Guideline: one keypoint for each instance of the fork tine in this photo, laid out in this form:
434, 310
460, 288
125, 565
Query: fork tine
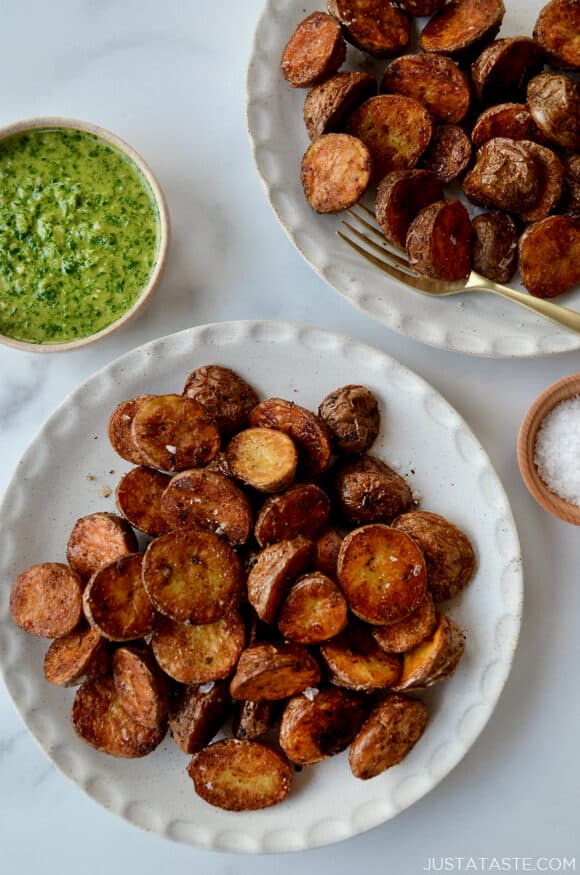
382, 250
367, 211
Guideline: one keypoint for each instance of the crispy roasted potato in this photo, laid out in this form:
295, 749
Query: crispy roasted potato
46, 600
273, 671
372, 25
449, 153
240, 775
551, 171
495, 246
394, 726
439, 241
447, 550
368, 491
252, 720
327, 550
142, 688
98, 539
207, 500
99, 719
549, 256
462, 25
226, 397
264, 458
306, 430
435, 658
504, 67
192, 576
120, 434
356, 661
554, 102
351, 414
557, 30
138, 498
335, 172
572, 183
174, 432
115, 602
402, 636
401, 194
273, 573
314, 52
76, 657
434, 80
505, 176
198, 654
301, 510
328, 105
511, 120
197, 714
322, 725
314, 611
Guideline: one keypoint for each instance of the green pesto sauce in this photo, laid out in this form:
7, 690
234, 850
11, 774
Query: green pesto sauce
79, 235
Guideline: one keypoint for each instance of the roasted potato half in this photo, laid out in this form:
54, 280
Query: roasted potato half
253, 720
368, 491
197, 713
335, 172
46, 600
142, 688
226, 397
439, 241
115, 601
449, 153
98, 539
495, 246
402, 636
198, 654
306, 430
328, 105
320, 724
434, 659
314, 611
120, 433
434, 80
401, 195
302, 510
138, 498
76, 657
174, 432
327, 550
393, 728
356, 661
263, 458
273, 573
462, 25
273, 671
352, 416
504, 67
372, 26
549, 256
557, 30
314, 52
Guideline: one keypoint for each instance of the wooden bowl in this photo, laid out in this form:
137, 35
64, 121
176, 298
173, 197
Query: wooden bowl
559, 391
113, 140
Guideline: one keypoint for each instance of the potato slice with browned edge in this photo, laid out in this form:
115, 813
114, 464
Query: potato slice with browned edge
554, 102
253, 719
393, 728
382, 574
439, 242
226, 397
327, 550
314, 52
504, 67
301, 510
115, 602
557, 31
461, 25
434, 80
402, 636
495, 246
98, 539
449, 153
448, 553
356, 661
511, 120
434, 659
306, 430
99, 719
142, 688
174, 432
352, 416
192, 576
263, 458
207, 500
198, 654
273, 573
368, 491
505, 176
320, 725
120, 434
273, 671
328, 105
46, 600
138, 498
401, 194
549, 256
373, 26
335, 172
240, 775
314, 611
197, 714
395, 129
76, 657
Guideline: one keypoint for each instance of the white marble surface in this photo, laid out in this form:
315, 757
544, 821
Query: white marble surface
169, 78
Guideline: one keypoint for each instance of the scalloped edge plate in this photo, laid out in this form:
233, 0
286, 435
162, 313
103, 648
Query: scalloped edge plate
422, 436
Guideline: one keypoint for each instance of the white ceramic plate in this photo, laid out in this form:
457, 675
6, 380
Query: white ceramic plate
422, 436
475, 323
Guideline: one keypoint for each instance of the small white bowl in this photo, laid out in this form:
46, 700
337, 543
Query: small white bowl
113, 140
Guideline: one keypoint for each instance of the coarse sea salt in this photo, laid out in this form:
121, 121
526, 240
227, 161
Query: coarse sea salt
557, 450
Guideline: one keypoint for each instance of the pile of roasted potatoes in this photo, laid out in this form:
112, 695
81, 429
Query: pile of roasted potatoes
463, 108
288, 586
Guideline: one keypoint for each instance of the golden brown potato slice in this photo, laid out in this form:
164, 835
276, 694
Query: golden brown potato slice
356, 661
207, 500
120, 434
314, 611
115, 602
314, 52
335, 172
449, 153
372, 25
98, 539
495, 246
368, 491
395, 129
227, 398
554, 102
192, 576
504, 67
352, 416
320, 725
263, 458
392, 729
306, 430
76, 657
328, 105
435, 658
382, 574
549, 256
138, 498
505, 176
252, 720
301, 510
439, 242
240, 775
402, 636
461, 25
174, 432
198, 713
558, 32
447, 550
511, 120
401, 194
99, 719
272, 574
327, 550
142, 688
198, 654
434, 81
273, 671
46, 600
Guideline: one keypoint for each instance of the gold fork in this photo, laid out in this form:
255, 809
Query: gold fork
396, 265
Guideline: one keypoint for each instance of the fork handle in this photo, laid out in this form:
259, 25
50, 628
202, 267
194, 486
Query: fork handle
541, 306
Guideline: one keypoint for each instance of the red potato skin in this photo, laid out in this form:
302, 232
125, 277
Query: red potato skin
557, 30
400, 196
439, 242
511, 120
549, 256
502, 70
449, 153
495, 246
